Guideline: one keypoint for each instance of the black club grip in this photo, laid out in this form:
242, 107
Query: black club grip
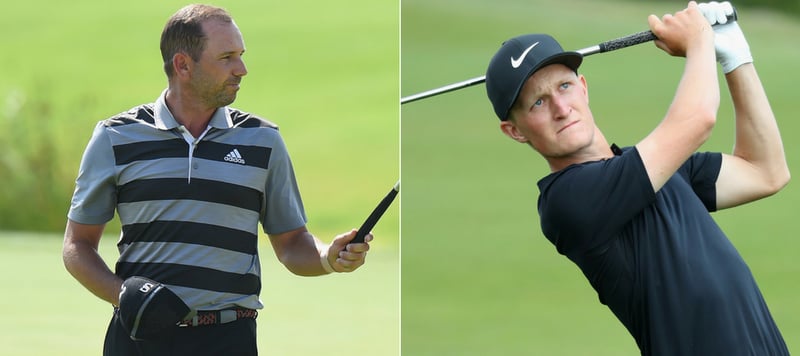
640, 37
627, 41
376, 214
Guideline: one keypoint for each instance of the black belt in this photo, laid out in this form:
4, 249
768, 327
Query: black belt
215, 317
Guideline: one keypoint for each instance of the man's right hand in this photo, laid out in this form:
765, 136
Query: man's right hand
685, 31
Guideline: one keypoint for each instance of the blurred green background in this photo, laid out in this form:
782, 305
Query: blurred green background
325, 72
478, 276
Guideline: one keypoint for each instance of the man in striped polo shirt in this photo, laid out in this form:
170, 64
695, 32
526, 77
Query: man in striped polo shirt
191, 179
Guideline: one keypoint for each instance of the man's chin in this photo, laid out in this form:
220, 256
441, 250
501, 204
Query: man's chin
226, 100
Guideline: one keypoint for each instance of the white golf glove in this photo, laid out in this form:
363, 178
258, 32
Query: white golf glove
729, 42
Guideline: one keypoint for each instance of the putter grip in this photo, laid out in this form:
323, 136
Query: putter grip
376, 214
640, 37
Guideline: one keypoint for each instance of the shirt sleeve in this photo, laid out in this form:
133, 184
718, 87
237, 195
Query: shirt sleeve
701, 170
283, 206
95, 196
585, 205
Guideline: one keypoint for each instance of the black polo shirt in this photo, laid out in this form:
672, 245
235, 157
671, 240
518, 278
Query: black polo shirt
658, 260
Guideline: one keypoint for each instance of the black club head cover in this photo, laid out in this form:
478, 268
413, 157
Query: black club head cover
148, 309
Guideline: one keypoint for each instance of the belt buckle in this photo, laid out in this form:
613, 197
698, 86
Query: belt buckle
227, 316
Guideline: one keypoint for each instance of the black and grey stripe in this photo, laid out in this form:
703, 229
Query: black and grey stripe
189, 217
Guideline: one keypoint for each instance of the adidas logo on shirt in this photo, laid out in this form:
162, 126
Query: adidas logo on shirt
234, 156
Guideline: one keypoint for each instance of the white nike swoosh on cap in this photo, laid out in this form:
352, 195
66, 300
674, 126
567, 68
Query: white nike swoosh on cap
518, 62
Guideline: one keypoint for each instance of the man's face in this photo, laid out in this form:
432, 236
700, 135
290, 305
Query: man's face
216, 76
552, 113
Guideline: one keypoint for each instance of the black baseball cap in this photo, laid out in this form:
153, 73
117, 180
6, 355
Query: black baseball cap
515, 61
148, 309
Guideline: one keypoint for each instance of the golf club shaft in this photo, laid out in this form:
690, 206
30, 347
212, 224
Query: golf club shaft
376, 214
608, 46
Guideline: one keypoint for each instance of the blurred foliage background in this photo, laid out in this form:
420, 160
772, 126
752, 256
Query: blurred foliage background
326, 74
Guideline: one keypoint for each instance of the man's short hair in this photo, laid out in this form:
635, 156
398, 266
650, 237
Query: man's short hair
183, 33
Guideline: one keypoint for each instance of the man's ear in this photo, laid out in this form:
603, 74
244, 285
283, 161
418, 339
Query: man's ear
582, 80
182, 64
510, 129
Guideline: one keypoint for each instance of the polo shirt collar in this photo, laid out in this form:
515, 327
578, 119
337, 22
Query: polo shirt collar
164, 120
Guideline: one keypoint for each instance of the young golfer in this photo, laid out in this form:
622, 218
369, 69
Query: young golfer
636, 220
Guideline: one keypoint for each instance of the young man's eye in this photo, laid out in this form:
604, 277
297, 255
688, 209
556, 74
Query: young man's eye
565, 85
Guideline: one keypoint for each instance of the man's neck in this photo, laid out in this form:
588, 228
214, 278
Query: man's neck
188, 112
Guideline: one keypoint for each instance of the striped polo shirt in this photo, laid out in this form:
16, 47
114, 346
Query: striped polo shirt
190, 207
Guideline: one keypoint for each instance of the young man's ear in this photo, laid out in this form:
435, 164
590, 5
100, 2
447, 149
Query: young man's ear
582, 80
510, 129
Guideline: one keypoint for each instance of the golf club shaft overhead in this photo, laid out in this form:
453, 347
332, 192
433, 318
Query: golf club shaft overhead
608, 46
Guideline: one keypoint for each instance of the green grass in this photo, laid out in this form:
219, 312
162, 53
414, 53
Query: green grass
325, 72
478, 277
47, 312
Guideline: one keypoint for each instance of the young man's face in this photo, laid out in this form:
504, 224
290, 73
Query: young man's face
216, 76
552, 113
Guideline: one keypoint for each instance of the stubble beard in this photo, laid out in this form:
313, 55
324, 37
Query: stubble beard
213, 95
